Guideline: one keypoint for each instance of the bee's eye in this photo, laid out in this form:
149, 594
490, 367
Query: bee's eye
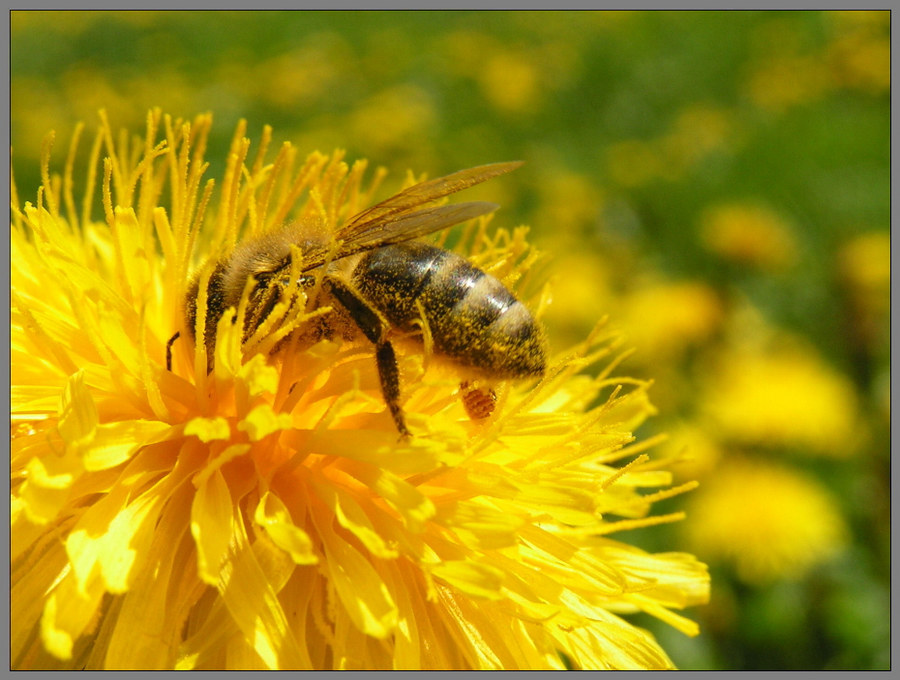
307, 281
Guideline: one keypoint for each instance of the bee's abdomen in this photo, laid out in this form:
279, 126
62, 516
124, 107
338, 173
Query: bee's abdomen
472, 317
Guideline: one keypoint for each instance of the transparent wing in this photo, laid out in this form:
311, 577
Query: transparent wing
391, 221
419, 195
403, 228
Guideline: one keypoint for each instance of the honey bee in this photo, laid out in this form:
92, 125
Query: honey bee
371, 278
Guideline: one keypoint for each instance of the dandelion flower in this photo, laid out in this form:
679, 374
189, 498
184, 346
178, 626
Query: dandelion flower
864, 264
770, 522
266, 515
752, 398
581, 290
698, 454
750, 234
859, 53
664, 319
780, 80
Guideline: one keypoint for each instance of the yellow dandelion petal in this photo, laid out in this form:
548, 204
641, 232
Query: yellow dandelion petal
249, 592
258, 377
263, 421
414, 507
30, 580
483, 527
144, 636
357, 584
351, 516
273, 514
245, 500
46, 487
68, 612
114, 551
472, 578
78, 416
210, 522
208, 429
114, 443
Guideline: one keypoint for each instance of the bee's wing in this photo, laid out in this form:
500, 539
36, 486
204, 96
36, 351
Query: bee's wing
419, 195
392, 222
403, 228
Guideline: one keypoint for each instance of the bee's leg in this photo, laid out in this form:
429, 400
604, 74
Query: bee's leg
169, 350
263, 298
389, 374
375, 329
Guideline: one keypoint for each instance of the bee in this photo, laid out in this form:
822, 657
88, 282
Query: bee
371, 278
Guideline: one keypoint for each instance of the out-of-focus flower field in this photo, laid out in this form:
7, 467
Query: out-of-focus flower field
716, 183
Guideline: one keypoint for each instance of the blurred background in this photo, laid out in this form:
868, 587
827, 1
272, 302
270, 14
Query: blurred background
716, 182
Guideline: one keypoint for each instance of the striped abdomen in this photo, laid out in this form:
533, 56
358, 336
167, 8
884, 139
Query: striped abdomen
472, 317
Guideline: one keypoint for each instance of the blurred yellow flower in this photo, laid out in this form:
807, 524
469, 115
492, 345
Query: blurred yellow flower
786, 397
750, 234
862, 62
697, 131
696, 453
783, 81
864, 271
513, 79
768, 521
395, 118
662, 320
72, 23
569, 202
510, 81
860, 54
301, 76
853, 19
784, 72
580, 294
266, 515
857, 57
865, 263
